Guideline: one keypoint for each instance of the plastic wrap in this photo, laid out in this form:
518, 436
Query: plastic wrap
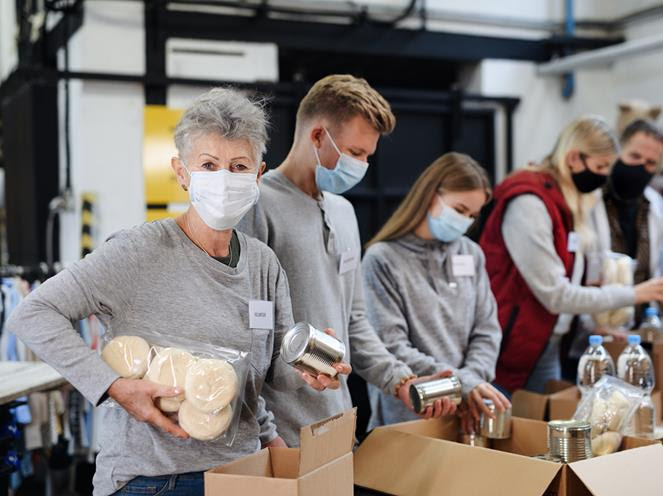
616, 269
609, 407
212, 380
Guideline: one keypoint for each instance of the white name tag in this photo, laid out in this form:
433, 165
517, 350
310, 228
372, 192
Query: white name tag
573, 242
462, 265
261, 314
349, 261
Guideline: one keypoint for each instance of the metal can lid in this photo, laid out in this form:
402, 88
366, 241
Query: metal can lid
569, 425
295, 342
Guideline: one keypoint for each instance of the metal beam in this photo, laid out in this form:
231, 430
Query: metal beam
602, 56
365, 39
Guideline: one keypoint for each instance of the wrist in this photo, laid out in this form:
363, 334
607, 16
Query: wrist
115, 387
404, 380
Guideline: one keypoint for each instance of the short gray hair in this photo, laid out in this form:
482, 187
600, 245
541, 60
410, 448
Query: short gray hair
228, 113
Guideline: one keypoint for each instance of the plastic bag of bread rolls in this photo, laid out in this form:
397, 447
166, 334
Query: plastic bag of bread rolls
608, 407
617, 269
211, 379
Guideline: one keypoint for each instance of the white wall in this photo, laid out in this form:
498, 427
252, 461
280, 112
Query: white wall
106, 123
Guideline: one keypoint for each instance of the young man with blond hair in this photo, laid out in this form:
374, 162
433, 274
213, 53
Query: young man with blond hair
315, 235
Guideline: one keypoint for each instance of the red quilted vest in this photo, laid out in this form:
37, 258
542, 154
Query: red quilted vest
526, 324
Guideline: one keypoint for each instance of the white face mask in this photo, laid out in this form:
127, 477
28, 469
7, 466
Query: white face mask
221, 197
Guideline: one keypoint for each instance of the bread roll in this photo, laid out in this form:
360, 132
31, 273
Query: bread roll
210, 384
204, 426
625, 271
609, 271
606, 443
169, 367
128, 356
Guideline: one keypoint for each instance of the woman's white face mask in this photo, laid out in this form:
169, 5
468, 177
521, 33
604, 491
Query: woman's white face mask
221, 197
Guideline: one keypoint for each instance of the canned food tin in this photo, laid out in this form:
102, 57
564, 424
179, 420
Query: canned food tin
424, 394
498, 427
311, 350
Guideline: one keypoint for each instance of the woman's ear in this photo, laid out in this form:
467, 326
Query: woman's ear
261, 170
574, 161
181, 172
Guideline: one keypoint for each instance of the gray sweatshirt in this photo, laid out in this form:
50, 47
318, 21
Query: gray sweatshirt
428, 317
314, 239
152, 278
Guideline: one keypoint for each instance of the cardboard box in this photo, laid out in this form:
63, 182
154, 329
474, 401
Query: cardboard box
321, 466
560, 397
420, 458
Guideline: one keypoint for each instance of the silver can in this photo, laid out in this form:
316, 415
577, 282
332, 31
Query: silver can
311, 350
474, 439
424, 394
569, 440
498, 427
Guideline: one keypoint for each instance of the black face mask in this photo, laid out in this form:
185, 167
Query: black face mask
587, 181
629, 181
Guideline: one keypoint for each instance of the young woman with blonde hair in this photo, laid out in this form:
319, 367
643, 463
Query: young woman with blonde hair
534, 239
426, 288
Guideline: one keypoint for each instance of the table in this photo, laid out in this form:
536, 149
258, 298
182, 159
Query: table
19, 379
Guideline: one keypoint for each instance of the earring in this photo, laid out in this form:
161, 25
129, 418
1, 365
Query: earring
185, 188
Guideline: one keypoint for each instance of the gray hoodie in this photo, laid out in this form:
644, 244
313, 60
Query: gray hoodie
428, 317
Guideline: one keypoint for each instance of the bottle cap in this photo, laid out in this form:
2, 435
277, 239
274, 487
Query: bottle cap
651, 311
595, 340
633, 339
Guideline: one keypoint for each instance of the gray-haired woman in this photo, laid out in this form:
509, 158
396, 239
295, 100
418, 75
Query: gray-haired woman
193, 276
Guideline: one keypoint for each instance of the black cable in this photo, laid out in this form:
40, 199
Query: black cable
67, 117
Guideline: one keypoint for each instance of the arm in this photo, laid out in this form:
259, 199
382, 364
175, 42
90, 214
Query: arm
529, 241
99, 284
265, 419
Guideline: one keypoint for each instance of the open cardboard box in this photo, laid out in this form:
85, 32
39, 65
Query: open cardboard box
560, 398
560, 404
321, 466
421, 458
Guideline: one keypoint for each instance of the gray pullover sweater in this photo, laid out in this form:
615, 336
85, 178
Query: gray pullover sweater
314, 240
428, 317
153, 278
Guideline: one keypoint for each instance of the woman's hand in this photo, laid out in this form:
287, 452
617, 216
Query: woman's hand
440, 408
277, 442
476, 406
323, 381
137, 397
651, 290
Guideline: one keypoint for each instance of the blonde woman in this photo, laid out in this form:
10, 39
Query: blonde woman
426, 288
533, 241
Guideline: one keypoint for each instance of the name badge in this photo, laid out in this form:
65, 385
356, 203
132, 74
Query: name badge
573, 242
349, 261
261, 314
462, 265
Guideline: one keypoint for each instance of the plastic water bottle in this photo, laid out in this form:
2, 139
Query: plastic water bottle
635, 367
594, 363
651, 328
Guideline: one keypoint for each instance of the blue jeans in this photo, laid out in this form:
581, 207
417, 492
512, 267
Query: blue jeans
190, 484
547, 368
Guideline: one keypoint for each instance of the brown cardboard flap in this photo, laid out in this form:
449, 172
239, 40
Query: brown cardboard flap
553, 386
285, 462
527, 404
327, 440
563, 404
407, 464
332, 480
256, 464
528, 438
626, 472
